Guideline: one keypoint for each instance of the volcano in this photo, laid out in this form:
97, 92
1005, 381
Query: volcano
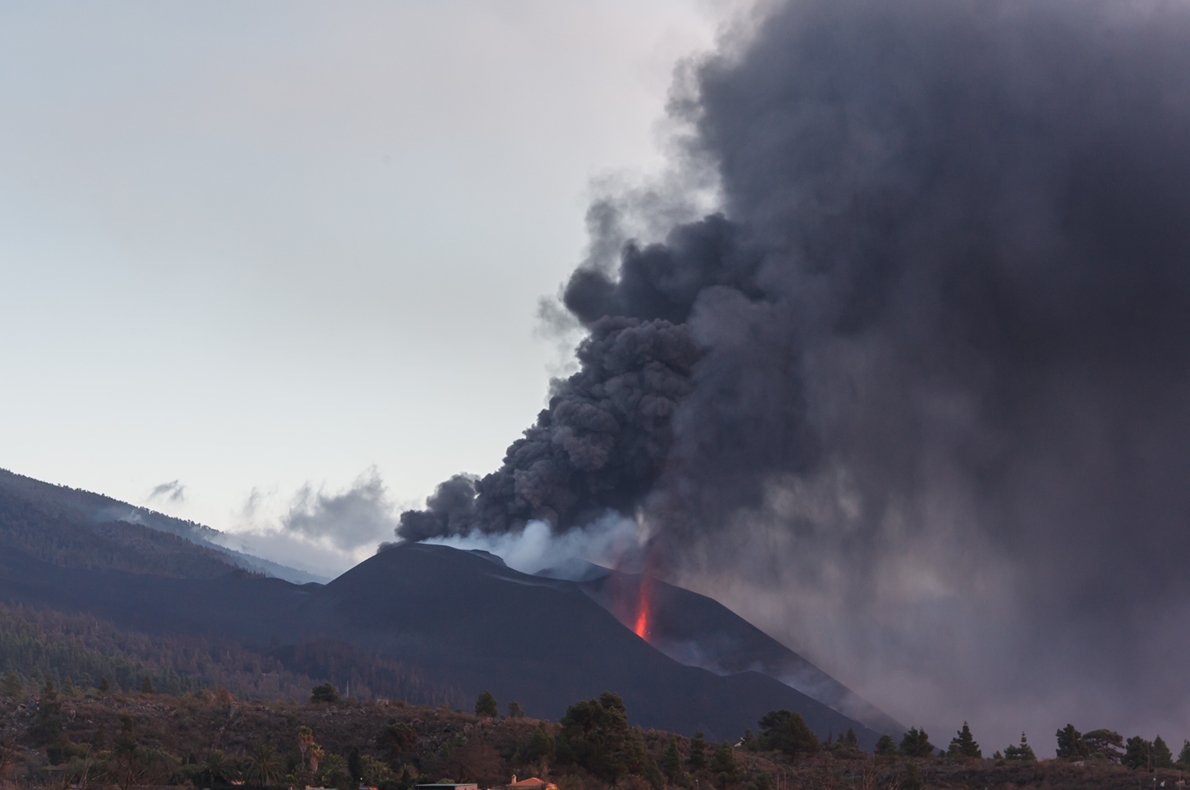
698, 631
463, 619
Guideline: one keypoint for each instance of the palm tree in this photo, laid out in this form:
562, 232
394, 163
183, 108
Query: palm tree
263, 766
305, 741
315, 755
218, 768
332, 770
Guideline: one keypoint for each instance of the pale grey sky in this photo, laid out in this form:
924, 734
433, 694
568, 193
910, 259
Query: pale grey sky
269, 249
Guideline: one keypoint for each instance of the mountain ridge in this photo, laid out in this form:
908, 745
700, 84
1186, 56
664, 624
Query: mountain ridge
463, 620
88, 509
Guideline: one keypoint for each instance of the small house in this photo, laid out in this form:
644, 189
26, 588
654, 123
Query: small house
532, 783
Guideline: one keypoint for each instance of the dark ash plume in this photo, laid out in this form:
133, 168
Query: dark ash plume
925, 380
600, 444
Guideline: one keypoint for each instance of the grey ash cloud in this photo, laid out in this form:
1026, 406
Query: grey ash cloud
358, 516
925, 378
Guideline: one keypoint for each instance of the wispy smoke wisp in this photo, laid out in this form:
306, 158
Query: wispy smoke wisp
173, 491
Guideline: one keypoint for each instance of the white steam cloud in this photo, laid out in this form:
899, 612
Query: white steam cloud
611, 541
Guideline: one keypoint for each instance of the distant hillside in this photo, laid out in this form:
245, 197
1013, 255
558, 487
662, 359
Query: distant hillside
85, 651
71, 512
61, 538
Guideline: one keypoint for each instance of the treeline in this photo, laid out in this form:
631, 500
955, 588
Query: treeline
365, 674
211, 740
591, 748
1102, 745
83, 652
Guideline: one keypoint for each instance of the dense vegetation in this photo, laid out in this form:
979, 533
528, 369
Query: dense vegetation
52, 735
78, 529
63, 537
86, 652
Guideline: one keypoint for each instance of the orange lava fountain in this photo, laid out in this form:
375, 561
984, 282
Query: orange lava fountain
642, 609
642, 621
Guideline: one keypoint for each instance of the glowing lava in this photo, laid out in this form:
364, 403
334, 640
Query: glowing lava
642, 621
642, 609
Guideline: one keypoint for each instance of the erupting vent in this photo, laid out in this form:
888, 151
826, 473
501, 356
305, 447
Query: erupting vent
642, 621
642, 609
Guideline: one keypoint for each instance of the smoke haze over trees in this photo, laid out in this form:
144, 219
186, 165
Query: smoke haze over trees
915, 399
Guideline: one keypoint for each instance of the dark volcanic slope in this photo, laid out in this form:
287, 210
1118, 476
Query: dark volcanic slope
542, 642
236, 605
699, 631
466, 621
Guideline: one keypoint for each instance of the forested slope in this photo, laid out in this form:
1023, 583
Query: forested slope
53, 536
71, 512
84, 651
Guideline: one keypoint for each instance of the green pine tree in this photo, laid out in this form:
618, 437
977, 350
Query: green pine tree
964, 745
724, 767
12, 686
886, 746
1104, 744
1162, 757
698, 752
653, 775
1138, 753
851, 739
671, 761
636, 752
1071, 745
595, 736
1023, 752
916, 743
542, 744
1184, 756
485, 705
787, 732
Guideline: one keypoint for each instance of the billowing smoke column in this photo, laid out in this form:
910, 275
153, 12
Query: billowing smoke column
924, 382
600, 444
